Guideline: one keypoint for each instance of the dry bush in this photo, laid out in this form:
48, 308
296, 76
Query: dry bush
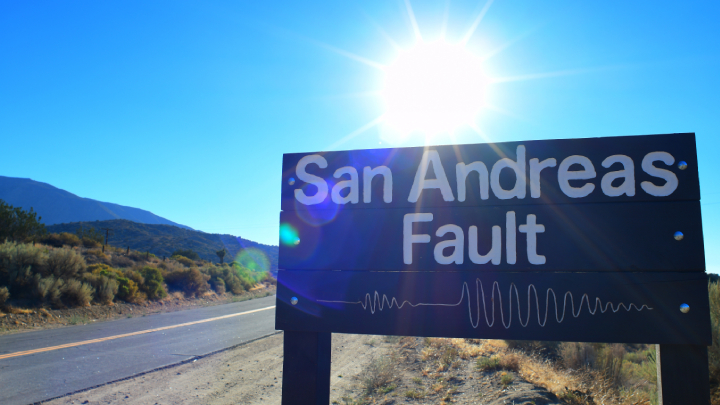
93, 256
61, 239
15, 257
510, 361
4, 296
576, 355
77, 293
65, 263
218, 285
119, 260
379, 373
49, 290
191, 281
90, 243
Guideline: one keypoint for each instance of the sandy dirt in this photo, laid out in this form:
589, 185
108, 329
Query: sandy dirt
249, 374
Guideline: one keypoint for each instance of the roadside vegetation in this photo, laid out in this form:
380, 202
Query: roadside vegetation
443, 371
74, 270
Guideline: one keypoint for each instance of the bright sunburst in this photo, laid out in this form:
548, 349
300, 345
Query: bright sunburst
433, 88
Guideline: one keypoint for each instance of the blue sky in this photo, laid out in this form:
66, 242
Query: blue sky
185, 108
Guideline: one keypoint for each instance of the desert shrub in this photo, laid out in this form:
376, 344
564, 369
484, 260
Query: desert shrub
93, 256
606, 358
153, 283
77, 293
379, 373
65, 263
127, 289
137, 256
218, 285
18, 265
577, 355
186, 253
183, 260
105, 270
532, 345
714, 349
270, 279
4, 295
121, 261
136, 280
49, 290
190, 281
105, 286
61, 239
90, 243
488, 363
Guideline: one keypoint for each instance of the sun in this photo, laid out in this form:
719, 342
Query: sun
433, 88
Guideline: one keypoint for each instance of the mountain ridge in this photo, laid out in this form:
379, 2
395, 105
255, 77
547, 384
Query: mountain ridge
162, 240
56, 206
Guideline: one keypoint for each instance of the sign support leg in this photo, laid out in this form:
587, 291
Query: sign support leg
682, 374
306, 368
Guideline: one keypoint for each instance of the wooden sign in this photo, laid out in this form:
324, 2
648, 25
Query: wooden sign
582, 237
595, 240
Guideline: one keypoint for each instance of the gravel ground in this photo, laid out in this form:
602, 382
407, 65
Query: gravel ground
249, 374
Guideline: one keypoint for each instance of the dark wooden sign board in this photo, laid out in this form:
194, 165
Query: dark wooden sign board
596, 240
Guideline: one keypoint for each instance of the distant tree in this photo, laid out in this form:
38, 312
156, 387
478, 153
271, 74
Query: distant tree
221, 254
186, 253
18, 224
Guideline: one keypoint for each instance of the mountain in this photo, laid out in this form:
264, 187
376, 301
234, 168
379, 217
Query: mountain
163, 240
57, 206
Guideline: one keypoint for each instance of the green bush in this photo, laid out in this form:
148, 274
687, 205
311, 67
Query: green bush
153, 285
488, 363
19, 225
127, 289
186, 253
183, 260
105, 286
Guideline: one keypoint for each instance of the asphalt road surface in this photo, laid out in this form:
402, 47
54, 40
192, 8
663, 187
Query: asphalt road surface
40, 375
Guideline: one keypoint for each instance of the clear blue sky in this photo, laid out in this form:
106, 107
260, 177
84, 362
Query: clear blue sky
185, 108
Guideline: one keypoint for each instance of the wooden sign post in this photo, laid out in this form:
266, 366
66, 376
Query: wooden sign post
591, 240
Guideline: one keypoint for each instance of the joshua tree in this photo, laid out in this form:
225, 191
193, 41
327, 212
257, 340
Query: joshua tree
221, 254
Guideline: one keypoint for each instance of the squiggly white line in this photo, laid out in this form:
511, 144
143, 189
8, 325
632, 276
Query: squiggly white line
375, 303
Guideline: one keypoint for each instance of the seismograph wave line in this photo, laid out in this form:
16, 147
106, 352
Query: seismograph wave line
375, 302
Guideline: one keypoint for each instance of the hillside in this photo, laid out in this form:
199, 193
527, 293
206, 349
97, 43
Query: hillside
57, 206
163, 240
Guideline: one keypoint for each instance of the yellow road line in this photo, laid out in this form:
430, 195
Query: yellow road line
142, 332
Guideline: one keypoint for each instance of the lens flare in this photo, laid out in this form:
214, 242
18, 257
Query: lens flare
319, 214
289, 235
253, 259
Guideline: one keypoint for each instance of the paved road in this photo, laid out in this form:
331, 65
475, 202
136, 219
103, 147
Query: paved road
36, 377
